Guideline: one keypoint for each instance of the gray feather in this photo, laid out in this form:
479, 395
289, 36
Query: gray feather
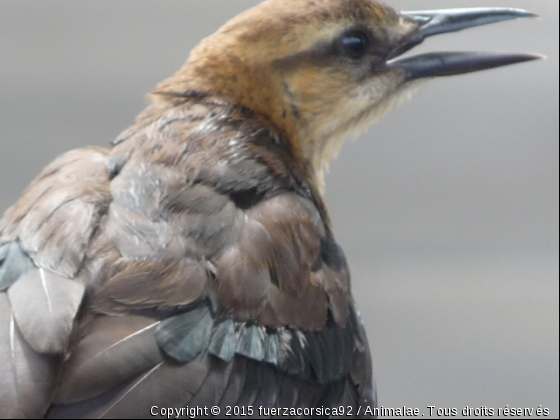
223, 341
166, 384
115, 351
271, 350
45, 305
183, 337
251, 342
13, 264
26, 377
214, 385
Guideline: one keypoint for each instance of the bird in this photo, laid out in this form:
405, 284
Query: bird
192, 267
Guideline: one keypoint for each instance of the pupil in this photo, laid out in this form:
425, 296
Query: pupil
354, 45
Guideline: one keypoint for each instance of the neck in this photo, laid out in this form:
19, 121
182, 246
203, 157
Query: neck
266, 103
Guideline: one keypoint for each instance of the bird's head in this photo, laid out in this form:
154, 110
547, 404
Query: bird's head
320, 69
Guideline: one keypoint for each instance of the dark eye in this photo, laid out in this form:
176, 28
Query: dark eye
354, 44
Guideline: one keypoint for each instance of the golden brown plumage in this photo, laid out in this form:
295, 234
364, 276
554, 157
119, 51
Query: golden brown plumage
194, 262
269, 60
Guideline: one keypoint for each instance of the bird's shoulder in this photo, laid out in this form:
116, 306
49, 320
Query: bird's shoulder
212, 191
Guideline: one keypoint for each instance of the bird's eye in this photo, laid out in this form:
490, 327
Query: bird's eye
354, 44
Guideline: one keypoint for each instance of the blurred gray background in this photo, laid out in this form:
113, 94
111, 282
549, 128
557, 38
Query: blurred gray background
447, 209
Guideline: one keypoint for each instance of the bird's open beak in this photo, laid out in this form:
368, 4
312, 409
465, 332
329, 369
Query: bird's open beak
451, 63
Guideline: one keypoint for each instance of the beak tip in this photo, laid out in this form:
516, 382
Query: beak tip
522, 13
540, 57
530, 15
533, 57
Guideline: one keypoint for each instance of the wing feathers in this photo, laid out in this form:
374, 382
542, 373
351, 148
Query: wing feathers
183, 337
115, 350
60, 210
13, 264
236, 383
222, 344
252, 385
45, 305
251, 342
168, 384
163, 283
268, 387
287, 394
26, 377
214, 385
